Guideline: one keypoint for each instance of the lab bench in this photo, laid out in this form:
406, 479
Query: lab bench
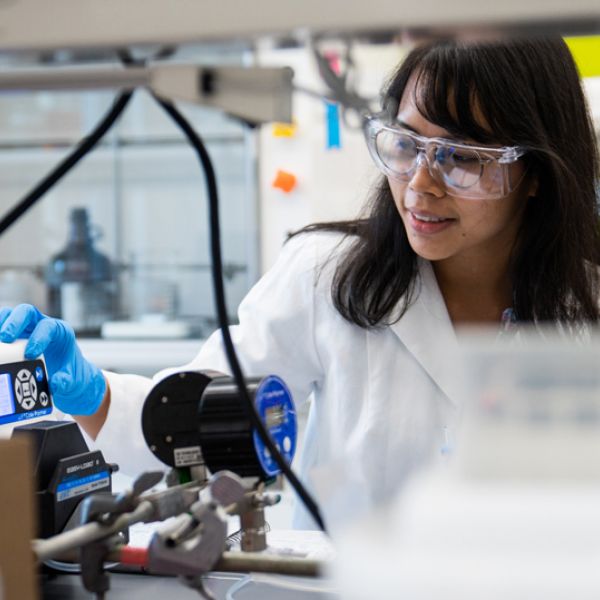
221, 585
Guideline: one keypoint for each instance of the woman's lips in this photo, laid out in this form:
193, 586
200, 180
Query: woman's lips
428, 223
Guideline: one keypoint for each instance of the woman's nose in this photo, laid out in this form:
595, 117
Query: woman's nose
423, 181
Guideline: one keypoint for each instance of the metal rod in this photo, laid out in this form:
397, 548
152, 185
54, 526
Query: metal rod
75, 78
261, 563
57, 546
240, 562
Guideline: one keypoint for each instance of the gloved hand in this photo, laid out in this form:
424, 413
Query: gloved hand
77, 386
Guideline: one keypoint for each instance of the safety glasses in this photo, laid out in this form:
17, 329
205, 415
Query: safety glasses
473, 172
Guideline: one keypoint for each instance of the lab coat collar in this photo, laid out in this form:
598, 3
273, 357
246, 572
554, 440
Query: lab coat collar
427, 332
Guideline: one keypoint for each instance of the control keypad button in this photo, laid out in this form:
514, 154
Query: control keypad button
24, 375
44, 399
26, 389
19, 391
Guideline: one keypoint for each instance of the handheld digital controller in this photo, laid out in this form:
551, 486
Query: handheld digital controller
24, 390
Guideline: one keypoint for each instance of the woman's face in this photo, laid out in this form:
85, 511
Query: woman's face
468, 228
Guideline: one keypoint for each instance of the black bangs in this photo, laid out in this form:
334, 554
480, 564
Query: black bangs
445, 94
455, 90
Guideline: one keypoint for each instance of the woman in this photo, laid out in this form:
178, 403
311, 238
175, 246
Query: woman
486, 212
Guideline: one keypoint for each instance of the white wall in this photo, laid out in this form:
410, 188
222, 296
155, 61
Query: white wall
332, 184
591, 86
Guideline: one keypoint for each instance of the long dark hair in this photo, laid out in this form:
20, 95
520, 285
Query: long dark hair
529, 93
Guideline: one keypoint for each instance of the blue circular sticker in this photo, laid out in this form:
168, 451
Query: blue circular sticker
275, 406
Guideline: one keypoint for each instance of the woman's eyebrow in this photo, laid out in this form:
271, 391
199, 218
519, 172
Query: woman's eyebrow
405, 125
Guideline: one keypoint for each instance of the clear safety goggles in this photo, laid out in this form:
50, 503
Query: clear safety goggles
474, 172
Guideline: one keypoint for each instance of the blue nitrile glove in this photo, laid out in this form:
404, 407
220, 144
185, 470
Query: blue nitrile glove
77, 386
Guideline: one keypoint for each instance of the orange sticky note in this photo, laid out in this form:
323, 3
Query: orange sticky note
284, 181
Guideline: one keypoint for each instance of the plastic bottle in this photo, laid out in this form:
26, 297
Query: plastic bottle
81, 283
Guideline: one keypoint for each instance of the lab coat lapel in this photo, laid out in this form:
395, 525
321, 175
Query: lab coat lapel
427, 332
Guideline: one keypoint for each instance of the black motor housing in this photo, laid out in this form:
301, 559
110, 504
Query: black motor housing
197, 418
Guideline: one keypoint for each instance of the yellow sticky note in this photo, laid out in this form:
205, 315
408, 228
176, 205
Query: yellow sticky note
586, 52
284, 129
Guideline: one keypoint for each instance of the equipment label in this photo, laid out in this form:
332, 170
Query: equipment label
187, 457
82, 485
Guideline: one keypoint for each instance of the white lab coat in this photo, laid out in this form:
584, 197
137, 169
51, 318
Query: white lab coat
383, 400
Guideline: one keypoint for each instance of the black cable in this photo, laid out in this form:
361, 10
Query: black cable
85, 146
219, 291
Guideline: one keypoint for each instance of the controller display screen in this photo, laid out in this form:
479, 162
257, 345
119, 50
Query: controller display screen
7, 401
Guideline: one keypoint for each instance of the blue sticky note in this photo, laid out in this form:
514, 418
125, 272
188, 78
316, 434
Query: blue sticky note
333, 125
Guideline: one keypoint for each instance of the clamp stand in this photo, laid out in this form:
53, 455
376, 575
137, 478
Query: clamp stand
104, 509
